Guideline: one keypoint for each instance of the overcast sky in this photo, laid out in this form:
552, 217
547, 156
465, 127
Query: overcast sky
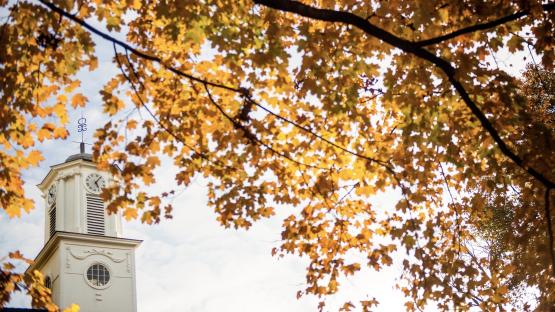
191, 263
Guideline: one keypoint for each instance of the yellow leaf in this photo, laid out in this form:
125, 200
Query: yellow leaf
60, 111
27, 141
60, 133
13, 211
43, 134
130, 213
34, 157
78, 100
72, 308
131, 124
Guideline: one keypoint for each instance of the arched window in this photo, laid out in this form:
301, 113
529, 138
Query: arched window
98, 275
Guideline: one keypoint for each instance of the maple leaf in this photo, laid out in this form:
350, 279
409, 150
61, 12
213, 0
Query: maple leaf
34, 157
78, 100
130, 213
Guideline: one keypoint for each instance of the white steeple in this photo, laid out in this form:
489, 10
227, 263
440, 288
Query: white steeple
85, 259
72, 194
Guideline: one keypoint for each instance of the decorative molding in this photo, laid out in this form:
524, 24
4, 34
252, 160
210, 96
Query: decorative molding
94, 251
67, 257
67, 174
128, 255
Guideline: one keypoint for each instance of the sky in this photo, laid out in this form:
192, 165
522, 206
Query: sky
191, 263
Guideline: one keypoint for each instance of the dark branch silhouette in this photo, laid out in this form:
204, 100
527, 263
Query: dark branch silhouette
249, 135
483, 26
168, 130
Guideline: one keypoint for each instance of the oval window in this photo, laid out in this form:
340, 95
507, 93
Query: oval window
98, 275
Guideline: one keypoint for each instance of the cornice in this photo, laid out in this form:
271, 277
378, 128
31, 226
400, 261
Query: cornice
77, 164
54, 242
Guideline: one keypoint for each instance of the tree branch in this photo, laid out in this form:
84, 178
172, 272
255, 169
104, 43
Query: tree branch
332, 16
249, 135
305, 129
483, 26
133, 50
243, 92
411, 48
548, 221
156, 119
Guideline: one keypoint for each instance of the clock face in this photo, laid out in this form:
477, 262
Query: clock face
95, 182
51, 195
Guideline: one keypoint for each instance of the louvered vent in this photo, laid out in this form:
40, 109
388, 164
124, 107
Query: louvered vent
95, 215
52, 220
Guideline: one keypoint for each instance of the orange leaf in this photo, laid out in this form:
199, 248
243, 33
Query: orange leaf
34, 157
78, 100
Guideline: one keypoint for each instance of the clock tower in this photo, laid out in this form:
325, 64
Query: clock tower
85, 259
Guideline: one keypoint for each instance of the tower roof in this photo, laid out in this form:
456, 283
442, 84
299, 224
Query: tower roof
84, 156
77, 158
81, 155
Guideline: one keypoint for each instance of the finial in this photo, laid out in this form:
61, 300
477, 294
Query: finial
82, 127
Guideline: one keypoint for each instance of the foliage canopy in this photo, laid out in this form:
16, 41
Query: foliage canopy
315, 106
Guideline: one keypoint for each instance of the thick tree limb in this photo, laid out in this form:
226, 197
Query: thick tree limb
483, 26
408, 47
